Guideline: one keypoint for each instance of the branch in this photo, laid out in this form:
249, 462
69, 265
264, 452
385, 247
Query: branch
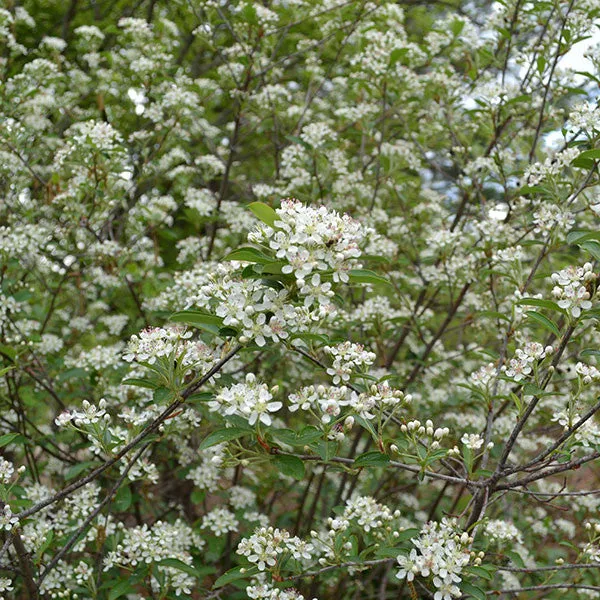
136, 440
75, 537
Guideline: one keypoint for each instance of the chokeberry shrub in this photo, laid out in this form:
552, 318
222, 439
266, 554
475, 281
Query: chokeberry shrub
298, 299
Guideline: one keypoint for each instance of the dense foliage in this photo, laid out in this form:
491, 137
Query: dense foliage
298, 300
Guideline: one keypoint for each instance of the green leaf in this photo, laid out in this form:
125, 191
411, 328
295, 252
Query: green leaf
286, 436
468, 458
544, 322
397, 54
593, 313
264, 212
163, 395
199, 319
233, 575
540, 303
371, 459
593, 247
225, 332
407, 534
457, 26
493, 315
515, 558
200, 398
8, 351
325, 449
120, 589
123, 499
576, 236
197, 496
308, 435
386, 551
530, 389
223, 435
291, 438
189, 569
45, 544
6, 370
366, 276
145, 383
479, 572
75, 470
249, 14
590, 352
311, 337
470, 589
366, 424
590, 154
274, 268
249, 255
7, 438
290, 465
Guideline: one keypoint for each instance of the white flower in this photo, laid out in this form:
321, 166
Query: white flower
251, 400
7, 470
312, 241
7, 519
220, 521
347, 359
5, 585
441, 551
408, 566
472, 440
571, 288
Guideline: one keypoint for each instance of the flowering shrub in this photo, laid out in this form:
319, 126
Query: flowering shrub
299, 300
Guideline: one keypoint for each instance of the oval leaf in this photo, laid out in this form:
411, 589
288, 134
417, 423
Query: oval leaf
290, 465
264, 212
544, 322
372, 459
223, 435
249, 255
199, 319
366, 276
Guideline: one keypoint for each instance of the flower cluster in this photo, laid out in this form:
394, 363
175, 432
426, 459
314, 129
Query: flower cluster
484, 375
7, 519
173, 344
502, 531
206, 474
143, 160
258, 312
348, 358
587, 434
472, 440
251, 400
267, 545
90, 414
7, 470
220, 521
313, 242
5, 586
265, 591
588, 373
151, 545
368, 514
424, 433
442, 553
572, 288
324, 402
521, 365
